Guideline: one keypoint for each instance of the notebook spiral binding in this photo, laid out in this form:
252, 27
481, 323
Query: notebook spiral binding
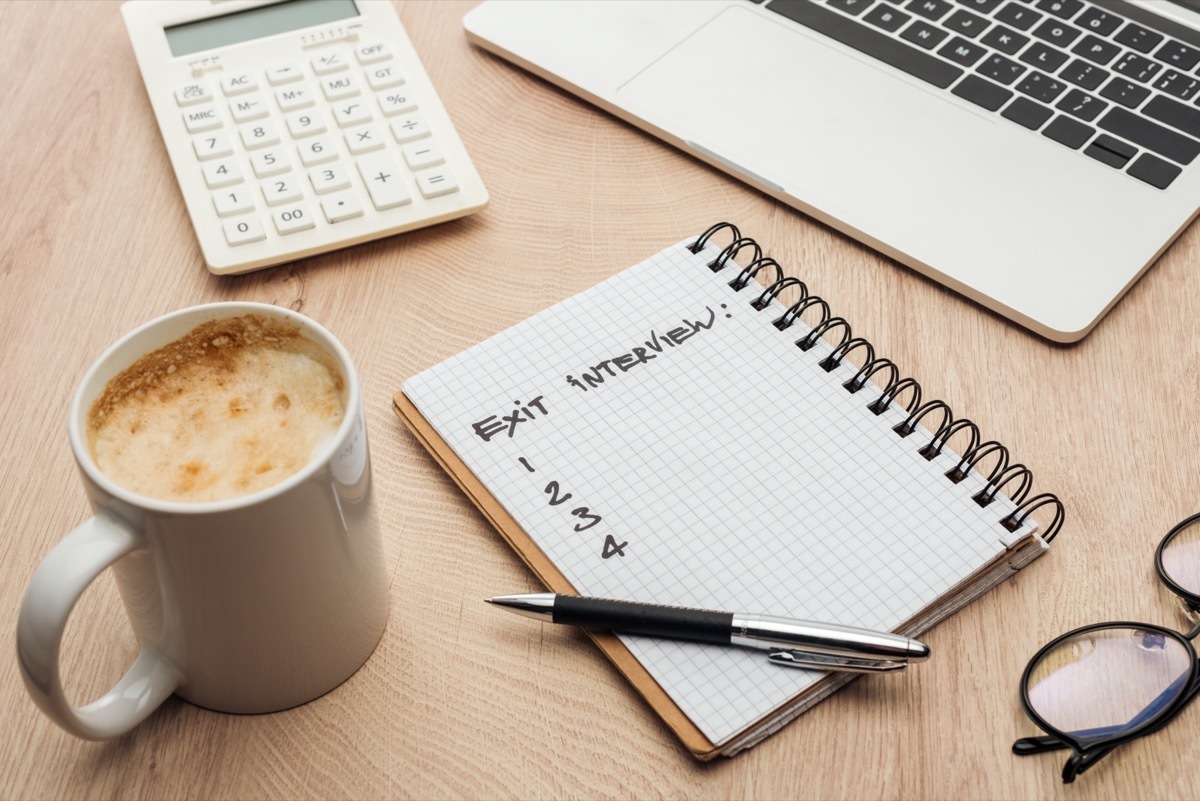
1016, 478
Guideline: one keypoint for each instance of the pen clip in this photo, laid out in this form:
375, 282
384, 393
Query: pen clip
845, 664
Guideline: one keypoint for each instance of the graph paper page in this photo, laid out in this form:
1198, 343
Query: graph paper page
662, 441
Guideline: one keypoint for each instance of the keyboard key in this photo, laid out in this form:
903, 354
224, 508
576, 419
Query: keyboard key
1178, 55
1177, 84
364, 139
1081, 105
284, 72
870, 41
1069, 132
1001, 69
1098, 22
295, 97
1056, 33
1095, 49
1122, 91
1083, 74
238, 84
422, 154
372, 53
278, 191
929, 9
1179, 116
309, 122
982, 6
960, 51
1112, 152
261, 133
244, 230
339, 87
1024, 111
328, 63
398, 101
329, 178
351, 113
982, 93
342, 206
927, 36
249, 107
1041, 87
1063, 9
1005, 40
225, 172
212, 145
966, 23
266, 163
384, 180
189, 94
1138, 68
317, 151
202, 119
409, 128
1040, 55
290, 219
1150, 135
384, 76
1154, 171
435, 183
229, 202
852, 7
1140, 39
1020, 17
887, 18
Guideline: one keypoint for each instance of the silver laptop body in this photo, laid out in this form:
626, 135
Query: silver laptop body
1045, 227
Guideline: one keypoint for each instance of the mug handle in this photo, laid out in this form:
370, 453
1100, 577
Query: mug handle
52, 593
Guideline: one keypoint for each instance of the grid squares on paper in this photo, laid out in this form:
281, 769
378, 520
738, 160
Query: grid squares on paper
742, 476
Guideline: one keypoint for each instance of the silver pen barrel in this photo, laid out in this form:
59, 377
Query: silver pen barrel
769, 633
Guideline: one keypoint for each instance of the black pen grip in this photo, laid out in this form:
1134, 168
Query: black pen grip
672, 622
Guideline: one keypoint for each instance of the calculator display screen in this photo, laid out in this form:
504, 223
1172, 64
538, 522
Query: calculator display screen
255, 23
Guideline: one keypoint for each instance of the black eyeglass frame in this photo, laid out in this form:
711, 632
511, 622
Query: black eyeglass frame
1088, 751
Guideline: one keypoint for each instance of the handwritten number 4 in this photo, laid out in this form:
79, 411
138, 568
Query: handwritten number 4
611, 548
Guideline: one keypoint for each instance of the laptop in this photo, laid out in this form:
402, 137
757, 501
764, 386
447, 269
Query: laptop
1035, 156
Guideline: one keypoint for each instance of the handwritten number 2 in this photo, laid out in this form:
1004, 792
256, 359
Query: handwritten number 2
583, 514
552, 491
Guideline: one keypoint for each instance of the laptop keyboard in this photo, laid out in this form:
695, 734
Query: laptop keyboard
1082, 74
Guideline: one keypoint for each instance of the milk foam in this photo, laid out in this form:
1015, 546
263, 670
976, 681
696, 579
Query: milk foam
234, 407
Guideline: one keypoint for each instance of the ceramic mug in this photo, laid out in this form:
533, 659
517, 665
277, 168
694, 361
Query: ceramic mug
252, 604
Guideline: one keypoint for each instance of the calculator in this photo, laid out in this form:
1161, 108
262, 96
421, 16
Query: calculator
297, 127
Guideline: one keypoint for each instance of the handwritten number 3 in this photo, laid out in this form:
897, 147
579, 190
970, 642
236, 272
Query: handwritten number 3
583, 514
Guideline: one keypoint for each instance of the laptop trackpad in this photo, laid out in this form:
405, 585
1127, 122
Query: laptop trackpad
833, 129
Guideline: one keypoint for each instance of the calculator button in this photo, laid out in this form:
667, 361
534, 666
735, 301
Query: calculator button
422, 154
270, 162
293, 97
342, 206
213, 145
291, 219
317, 151
189, 94
306, 123
434, 183
232, 201
238, 84
222, 173
396, 102
250, 107
326, 63
384, 180
339, 87
409, 128
364, 139
351, 113
244, 230
201, 119
262, 133
372, 53
285, 72
384, 76
277, 191
329, 179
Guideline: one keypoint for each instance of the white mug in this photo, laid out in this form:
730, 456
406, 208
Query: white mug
252, 604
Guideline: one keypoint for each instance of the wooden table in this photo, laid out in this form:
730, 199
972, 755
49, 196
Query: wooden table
458, 701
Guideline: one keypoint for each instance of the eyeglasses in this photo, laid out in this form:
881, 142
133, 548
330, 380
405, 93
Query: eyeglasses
1103, 685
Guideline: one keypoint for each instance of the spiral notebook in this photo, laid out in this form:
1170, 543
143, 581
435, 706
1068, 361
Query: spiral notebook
678, 435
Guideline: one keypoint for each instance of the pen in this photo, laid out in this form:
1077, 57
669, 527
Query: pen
795, 643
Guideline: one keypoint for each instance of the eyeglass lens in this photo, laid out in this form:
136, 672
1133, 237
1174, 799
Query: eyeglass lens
1181, 558
1103, 682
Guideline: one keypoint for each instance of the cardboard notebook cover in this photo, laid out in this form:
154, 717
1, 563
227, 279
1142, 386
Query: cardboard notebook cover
611, 645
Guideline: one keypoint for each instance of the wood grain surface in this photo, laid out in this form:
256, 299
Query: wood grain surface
459, 701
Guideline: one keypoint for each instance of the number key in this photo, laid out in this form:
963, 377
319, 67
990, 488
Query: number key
270, 162
232, 201
243, 231
213, 145
329, 179
277, 191
290, 219
305, 123
317, 151
260, 133
222, 173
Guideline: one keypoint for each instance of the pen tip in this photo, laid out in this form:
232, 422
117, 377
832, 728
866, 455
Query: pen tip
487, 600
